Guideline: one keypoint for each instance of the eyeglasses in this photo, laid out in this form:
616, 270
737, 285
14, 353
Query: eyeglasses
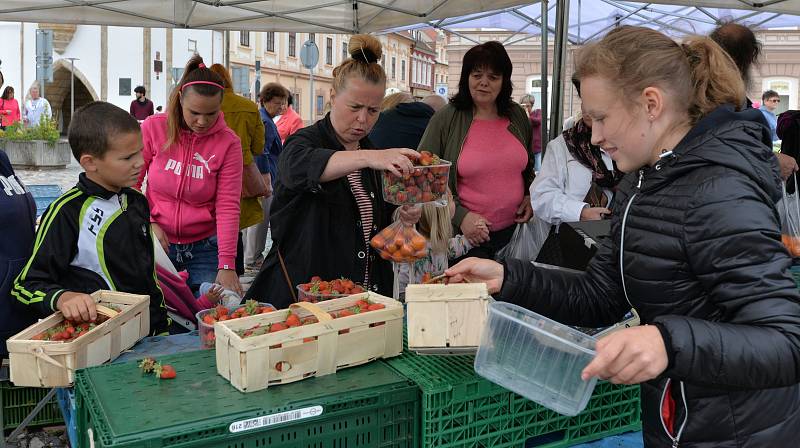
775, 100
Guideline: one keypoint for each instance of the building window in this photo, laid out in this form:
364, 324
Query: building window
292, 45
320, 104
329, 51
394, 67
403, 70
124, 86
312, 37
244, 38
345, 53
271, 42
241, 80
192, 46
296, 104
533, 87
383, 62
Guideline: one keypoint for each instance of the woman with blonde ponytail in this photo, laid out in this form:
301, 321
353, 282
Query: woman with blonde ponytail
695, 248
328, 201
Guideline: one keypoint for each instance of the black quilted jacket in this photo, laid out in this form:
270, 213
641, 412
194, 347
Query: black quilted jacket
695, 242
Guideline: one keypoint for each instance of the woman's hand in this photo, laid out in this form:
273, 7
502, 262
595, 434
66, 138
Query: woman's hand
630, 356
594, 213
788, 165
229, 280
409, 215
476, 228
398, 161
524, 211
161, 236
478, 270
214, 294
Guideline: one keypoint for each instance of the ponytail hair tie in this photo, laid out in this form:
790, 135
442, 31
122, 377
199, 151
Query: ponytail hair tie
201, 65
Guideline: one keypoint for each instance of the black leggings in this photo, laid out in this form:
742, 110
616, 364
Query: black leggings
497, 241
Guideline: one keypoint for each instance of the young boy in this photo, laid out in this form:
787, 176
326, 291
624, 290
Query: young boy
96, 235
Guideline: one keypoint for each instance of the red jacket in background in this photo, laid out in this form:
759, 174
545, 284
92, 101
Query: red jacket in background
289, 123
536, 125
194, 186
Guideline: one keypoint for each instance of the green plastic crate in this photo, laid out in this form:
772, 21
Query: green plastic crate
367, 406
461, 409
18, 402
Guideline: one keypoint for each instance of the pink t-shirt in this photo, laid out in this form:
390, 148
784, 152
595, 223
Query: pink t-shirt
490, 168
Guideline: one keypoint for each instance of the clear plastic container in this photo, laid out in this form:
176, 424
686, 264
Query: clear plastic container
424, 184
536, 357
208, 338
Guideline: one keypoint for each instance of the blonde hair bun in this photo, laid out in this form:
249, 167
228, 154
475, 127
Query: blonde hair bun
366, 48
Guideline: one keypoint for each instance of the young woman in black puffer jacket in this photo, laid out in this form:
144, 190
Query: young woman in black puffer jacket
695, 248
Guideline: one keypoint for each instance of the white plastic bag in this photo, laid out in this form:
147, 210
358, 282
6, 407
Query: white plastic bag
790, 220
526, 242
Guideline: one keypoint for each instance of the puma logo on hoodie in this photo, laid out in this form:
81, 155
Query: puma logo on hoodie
195, 171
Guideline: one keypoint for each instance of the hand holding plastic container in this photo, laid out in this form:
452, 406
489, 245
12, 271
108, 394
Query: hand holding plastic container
536, 357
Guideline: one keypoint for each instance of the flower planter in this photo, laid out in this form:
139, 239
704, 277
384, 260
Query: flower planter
37, 154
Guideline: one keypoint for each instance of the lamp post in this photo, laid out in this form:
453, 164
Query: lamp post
72, 86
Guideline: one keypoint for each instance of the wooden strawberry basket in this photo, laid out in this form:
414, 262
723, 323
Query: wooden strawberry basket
256, 362
41, 363
446, 319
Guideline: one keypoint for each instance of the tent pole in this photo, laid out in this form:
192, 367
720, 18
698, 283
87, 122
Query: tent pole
559, 67
544, 73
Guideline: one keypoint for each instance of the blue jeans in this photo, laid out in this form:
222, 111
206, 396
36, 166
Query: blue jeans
200, 259
537, 162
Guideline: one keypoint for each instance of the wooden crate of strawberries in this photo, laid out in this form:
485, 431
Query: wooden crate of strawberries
308, 340
446, 319
47, 353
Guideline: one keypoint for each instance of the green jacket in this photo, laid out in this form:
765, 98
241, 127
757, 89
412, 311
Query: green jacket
242, 116
445, 137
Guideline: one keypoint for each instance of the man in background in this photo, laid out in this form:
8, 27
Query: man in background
141, 107
769, 103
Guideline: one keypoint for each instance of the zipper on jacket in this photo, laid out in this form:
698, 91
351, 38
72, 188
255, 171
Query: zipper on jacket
677, 438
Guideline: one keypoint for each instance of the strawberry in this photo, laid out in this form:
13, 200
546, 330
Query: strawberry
312, 339
165, 372
376, 306
209, 319
293, 320
345, 312
278, 326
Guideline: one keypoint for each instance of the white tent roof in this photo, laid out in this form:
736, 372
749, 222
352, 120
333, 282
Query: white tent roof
348, 16
338, 16
591, 18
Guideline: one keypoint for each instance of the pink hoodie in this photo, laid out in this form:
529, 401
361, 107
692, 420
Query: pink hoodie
194, 186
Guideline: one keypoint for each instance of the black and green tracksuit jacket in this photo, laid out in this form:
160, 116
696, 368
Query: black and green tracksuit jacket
89, 239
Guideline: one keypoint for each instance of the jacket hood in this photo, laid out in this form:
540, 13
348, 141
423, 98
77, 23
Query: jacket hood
416, 109
736, 140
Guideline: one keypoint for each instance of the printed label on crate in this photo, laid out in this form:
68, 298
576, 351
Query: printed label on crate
274, 419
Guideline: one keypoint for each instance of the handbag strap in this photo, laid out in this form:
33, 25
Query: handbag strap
286, 276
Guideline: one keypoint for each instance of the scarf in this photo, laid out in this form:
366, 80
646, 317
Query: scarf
578, 139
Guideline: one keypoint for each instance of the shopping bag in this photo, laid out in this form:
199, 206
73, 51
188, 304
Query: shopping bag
526, 242
790, 220
400, 243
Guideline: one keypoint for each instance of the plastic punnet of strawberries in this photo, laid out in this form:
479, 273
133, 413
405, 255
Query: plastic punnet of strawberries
426, 183
318, 290
207, 318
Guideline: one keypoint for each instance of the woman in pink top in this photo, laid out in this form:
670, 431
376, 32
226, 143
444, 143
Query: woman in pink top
9, 108
488, 138
193, 163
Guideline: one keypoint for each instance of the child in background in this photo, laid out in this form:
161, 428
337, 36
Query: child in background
435, 225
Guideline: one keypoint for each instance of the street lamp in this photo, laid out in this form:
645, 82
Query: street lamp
72, 87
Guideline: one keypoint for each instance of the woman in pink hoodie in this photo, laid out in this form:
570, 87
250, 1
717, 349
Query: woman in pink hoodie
193, 163
9, 108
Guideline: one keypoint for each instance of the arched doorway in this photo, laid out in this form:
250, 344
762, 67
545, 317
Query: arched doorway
58, 93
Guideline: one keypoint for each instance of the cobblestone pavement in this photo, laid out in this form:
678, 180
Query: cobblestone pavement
65, 178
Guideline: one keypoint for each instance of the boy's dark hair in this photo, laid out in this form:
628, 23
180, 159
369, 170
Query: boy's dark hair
769, 94
94, 125
290, 99
490, 55
140, 89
